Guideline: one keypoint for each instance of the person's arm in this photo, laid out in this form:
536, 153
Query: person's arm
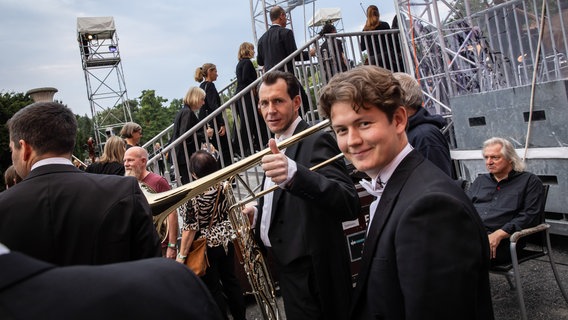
172, 235
530, 209
260, 53
189, 229
213, 101
249, 73
185, 243
330, 184
146, 243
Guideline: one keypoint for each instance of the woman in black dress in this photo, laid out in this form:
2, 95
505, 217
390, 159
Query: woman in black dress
184, 121
377, 46
247, 105
111, 162
206, 75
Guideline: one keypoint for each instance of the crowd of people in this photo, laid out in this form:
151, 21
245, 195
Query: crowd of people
428, 245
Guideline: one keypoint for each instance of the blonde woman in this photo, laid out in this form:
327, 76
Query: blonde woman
184, 121
247, 111
111, 160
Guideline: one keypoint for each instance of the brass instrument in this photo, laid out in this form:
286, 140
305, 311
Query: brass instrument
251, 258
161, 228
164, 202
247, 250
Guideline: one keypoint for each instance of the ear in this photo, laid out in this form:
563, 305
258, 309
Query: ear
400, 119
297, 103
27, 150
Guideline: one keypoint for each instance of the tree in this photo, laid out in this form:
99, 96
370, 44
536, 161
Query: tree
85, 129
152, 115
10, 103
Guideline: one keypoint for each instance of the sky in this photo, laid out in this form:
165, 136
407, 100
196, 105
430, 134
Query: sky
161, 43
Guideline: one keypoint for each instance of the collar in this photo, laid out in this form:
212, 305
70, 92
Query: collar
3, 249
290, 131
509, 176
385, 174
54, 160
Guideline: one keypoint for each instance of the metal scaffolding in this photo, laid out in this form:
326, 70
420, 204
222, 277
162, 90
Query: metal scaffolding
104, 77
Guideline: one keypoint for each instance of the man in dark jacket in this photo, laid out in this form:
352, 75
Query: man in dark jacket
154, 288
423, 129
60, 214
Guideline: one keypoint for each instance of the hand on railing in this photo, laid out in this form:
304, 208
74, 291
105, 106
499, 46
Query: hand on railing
222, 131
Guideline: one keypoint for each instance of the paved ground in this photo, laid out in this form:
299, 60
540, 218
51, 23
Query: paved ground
542, 296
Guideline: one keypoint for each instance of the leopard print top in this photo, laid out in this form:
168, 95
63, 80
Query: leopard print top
197, 212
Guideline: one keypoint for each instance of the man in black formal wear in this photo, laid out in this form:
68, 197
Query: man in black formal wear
61, 214
300, 222
154, 288
426, 254
276, 44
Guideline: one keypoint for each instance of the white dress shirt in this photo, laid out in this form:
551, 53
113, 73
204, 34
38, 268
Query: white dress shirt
376, 186
267, 207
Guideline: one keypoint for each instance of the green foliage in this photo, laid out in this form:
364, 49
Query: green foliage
150, 111
153, 114
85, 129
10, 103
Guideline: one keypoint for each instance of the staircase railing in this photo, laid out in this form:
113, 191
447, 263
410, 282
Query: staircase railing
312, 73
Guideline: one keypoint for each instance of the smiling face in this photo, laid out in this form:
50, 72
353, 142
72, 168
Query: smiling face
277, 108
367, 138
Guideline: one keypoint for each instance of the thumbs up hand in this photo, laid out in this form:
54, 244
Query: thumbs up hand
275, 165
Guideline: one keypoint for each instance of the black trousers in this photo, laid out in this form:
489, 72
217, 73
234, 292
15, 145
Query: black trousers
299, 290
222, 283
503, 252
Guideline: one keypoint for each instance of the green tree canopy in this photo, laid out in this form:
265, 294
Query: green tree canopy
10, 103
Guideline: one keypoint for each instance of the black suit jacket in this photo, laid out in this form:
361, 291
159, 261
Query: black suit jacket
275, 45
184, 121
155, 288
306, 218
65, 216
426, 255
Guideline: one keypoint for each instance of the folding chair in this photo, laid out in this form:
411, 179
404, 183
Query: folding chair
540, 235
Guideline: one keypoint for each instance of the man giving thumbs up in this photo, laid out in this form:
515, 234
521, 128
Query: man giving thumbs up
300, 223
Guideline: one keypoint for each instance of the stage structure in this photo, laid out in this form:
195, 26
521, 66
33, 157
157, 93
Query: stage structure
325, 16
104, 76
476, 62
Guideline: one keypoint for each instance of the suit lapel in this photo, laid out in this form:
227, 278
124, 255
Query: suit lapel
382, 214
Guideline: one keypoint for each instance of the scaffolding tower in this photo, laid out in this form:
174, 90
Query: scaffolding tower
104, 76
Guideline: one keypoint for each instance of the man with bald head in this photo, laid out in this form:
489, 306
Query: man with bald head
135, 162
61, 214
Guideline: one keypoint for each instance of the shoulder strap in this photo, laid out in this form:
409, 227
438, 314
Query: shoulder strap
215, 206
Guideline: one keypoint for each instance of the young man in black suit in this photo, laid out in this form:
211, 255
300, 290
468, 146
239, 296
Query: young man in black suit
61, 214
300, 223
426, 254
